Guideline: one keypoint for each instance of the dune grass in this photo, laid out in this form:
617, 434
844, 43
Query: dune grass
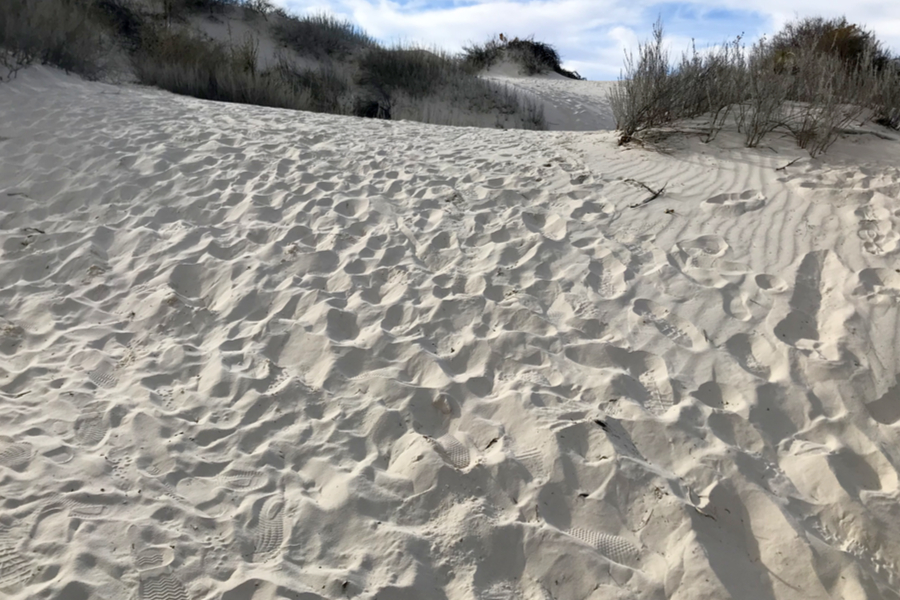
63, 33
532, 57
319, 35
328, 65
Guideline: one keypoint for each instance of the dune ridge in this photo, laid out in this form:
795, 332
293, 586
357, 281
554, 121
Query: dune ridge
252, 353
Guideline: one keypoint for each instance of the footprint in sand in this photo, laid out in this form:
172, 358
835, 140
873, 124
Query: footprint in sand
655, 379
606, 276
83, 506
153, 562
533, 461
646, 380
164, 586
15, 455
703, 247
15, 567
886, 409
90, 429
678, 330
613, 547
878, 285
454, 451
719, 395
147, 551
269, 529
153, 557
876, 229
771, 284
703, 261
103, 376
551, 226
590, 211
756, 355
735, 204
279, 378
206, 493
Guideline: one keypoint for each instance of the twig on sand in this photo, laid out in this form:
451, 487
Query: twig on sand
656, 193
789, 164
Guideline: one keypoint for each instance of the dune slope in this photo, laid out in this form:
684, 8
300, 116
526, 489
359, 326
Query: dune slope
254, 354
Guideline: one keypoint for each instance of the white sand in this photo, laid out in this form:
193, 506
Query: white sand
569, 105
256, 354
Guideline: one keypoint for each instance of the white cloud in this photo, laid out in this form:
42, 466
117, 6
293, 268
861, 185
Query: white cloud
590, 34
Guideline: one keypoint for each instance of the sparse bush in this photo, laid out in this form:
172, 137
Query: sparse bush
827, 98
62, 33
320, 36
762, 110
13, 62
811, 80
262, 7
643, 97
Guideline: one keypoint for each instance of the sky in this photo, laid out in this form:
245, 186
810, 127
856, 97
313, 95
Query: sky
592, 35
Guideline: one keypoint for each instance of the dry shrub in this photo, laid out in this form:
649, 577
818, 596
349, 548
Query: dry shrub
811, 80
643, 97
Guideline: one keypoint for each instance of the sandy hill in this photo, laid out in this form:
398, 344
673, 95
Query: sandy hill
258, 354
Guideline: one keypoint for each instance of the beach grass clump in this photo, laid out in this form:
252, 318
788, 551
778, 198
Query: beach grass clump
532, 57
393, 80
325, 64
320, 35
811, 80
62, 33
886, 96
182, 63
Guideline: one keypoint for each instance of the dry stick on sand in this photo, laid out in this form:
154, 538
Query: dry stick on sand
656, 193
787, 165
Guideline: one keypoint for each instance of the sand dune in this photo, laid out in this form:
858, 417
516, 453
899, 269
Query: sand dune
254, 354
569, 105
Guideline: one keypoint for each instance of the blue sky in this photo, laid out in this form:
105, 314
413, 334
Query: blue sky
592, 35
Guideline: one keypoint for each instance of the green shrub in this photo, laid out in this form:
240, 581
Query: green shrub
853, 45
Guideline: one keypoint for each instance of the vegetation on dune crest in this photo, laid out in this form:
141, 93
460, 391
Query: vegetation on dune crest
325, 65
532, 57
811, 80
320, 35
